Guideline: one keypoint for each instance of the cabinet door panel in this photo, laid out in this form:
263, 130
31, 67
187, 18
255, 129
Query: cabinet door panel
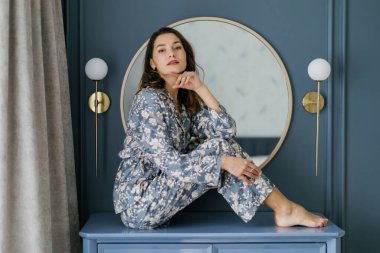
154, 248
271, 248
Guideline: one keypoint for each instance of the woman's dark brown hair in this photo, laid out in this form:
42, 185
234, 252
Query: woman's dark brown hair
151, 78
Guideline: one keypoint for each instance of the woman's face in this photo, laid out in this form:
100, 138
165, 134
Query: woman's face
169, 56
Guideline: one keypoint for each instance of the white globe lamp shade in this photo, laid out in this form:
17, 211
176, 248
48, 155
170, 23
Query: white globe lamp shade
319, 69
96, 69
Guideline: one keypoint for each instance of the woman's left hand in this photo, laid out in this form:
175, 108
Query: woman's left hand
188, 80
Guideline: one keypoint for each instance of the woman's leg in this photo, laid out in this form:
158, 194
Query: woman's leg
153, 203
245, 199
160, 200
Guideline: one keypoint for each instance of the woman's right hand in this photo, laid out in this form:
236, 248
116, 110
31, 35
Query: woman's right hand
241, 168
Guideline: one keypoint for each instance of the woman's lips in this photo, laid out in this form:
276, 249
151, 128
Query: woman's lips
173, 62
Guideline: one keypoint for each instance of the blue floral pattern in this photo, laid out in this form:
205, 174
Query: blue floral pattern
170, 159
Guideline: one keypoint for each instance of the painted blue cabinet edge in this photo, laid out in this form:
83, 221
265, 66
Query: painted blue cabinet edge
205, 226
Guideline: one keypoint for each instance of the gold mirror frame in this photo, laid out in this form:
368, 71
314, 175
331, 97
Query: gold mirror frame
247, 29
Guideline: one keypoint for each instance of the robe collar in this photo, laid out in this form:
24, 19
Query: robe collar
172, 105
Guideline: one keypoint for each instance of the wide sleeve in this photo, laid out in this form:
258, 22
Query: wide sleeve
208, 123
154, 139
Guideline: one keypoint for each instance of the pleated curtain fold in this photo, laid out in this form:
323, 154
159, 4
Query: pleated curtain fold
38, 196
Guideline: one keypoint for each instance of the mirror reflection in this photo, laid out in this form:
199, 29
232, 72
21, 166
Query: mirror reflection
244, 73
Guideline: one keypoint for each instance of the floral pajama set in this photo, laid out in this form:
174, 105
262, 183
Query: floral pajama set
170, 159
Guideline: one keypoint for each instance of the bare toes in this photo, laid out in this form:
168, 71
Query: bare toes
323, 222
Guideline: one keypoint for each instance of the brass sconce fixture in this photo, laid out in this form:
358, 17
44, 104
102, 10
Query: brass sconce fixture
313, 102
96, 69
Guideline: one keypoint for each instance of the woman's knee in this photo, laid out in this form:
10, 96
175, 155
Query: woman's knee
228, 147
223, 146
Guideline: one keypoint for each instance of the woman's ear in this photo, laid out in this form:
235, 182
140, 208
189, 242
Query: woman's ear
152, 65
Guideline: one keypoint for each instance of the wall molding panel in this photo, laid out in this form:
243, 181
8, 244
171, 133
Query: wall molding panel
336, 147
336, 133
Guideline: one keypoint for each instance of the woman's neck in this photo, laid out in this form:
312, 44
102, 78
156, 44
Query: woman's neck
173, 92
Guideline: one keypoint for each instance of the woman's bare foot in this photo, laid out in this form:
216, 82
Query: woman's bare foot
288, 213
293, 214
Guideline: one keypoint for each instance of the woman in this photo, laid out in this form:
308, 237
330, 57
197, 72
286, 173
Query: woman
180, 144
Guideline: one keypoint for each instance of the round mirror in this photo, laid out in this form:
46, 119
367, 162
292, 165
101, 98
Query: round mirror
244, 73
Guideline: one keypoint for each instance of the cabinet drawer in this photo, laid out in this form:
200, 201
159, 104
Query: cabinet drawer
271, 248
154, 248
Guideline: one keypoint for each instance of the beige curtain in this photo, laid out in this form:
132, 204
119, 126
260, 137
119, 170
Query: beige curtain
38, 204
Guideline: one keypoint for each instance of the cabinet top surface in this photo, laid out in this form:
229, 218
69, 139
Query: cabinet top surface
205, 225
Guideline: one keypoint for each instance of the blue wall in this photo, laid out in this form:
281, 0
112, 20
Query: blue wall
343, 32
363, 124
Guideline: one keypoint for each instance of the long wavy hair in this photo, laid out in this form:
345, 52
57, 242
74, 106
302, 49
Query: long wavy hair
151, 78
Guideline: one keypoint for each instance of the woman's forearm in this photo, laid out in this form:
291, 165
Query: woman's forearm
208, 98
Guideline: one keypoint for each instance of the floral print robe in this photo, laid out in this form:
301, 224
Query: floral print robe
170, 159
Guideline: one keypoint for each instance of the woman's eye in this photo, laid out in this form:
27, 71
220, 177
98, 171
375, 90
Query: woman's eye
178, 48
161, 50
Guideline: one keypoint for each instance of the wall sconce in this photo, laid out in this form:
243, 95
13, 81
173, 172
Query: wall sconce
313, 102
96, 69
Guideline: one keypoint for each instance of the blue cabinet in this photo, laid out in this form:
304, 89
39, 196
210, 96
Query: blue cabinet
208, 232
271, 247
154, 248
